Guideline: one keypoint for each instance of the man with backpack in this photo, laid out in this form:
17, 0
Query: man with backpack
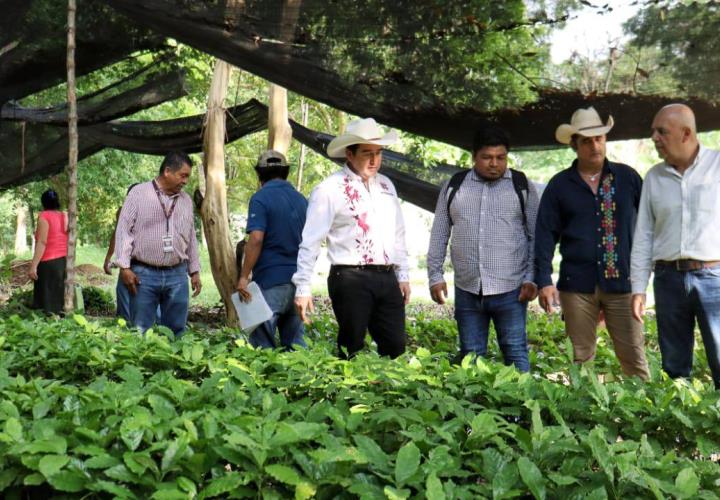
489, 211
590, 208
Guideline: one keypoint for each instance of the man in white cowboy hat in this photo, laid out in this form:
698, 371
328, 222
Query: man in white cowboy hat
357, 211
591, 209
678, 235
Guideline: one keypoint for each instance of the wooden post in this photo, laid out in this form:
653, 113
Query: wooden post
72, 160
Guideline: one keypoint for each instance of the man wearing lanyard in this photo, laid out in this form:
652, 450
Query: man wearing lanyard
156, 247
357, 211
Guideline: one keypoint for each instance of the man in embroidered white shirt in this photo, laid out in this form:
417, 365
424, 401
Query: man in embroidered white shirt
358, 212
678, 236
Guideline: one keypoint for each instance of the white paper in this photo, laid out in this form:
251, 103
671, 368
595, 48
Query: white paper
252, 313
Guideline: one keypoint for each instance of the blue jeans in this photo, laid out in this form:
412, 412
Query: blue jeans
681, 297
473, 313
122, 296
285, 318
164, 288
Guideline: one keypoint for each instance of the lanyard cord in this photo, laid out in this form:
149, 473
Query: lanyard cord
162, 205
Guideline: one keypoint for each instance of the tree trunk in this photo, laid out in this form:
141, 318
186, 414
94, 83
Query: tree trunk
72, 160
279, 131
214, 210
21, 245
303, 149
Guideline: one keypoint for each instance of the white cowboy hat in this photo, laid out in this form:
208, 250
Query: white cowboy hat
360, 131
585, 122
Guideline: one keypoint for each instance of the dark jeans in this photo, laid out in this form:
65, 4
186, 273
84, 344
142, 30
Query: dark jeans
473, 313
285, 319
166, 288
681, 297
367, 300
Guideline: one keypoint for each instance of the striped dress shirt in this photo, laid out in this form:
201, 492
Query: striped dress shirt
142, 226
490, 250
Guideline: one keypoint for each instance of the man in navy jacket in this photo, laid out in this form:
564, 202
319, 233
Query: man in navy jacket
591, 209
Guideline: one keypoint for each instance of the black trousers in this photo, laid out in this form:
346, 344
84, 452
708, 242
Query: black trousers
367, 300
49, 288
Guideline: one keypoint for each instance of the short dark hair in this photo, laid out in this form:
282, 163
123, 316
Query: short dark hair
353, 148
175, 160
269, 173
490, 135
50, 200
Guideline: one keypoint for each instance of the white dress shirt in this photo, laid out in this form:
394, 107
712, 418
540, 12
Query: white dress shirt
362, 225
679, 216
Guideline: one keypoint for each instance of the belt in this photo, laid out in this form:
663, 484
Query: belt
135, 262
365, 267
687, 264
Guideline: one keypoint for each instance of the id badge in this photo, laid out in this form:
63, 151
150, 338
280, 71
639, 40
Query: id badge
167, 244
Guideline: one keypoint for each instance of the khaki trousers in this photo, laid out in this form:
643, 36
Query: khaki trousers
581, 311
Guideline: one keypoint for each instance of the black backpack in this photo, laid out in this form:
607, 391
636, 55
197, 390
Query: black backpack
520, 184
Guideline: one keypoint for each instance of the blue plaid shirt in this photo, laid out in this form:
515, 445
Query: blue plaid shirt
490, 250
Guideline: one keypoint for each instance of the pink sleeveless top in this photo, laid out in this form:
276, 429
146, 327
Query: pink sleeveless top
56, 245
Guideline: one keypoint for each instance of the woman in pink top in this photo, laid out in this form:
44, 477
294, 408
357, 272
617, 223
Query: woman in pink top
48, 263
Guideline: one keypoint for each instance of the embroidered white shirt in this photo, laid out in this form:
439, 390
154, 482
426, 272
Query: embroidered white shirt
362, 226
678, 216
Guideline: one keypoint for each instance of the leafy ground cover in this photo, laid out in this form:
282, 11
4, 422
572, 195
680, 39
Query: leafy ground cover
92, 409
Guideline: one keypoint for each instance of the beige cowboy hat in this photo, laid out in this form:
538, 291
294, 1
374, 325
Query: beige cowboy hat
360, 131
585, 122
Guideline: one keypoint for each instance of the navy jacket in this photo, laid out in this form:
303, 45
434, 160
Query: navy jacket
595, 237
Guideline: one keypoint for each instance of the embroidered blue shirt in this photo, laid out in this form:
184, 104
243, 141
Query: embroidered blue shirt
595, 231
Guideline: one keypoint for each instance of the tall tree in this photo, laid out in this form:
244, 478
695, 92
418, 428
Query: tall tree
213, 210
72, 159
20, 228
279, 131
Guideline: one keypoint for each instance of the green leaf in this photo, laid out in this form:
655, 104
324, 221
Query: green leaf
41, 408
433, 488
56, 445
288, 433
101, 462
222, 485
532, 477
407, 463
34, 479
305, 490
169, 494
197, 353
51, 464
69, 481
113, 488
483, 426
174, 452
372, 451
505, 480
396, 494
186, 484
687, 483
284, 474
13, 428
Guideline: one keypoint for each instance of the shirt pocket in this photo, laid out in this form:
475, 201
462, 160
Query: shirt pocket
704, 196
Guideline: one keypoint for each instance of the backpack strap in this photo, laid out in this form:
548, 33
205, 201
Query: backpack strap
520, 184
455, 181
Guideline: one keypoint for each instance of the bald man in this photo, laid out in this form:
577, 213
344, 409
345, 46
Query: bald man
678, 237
